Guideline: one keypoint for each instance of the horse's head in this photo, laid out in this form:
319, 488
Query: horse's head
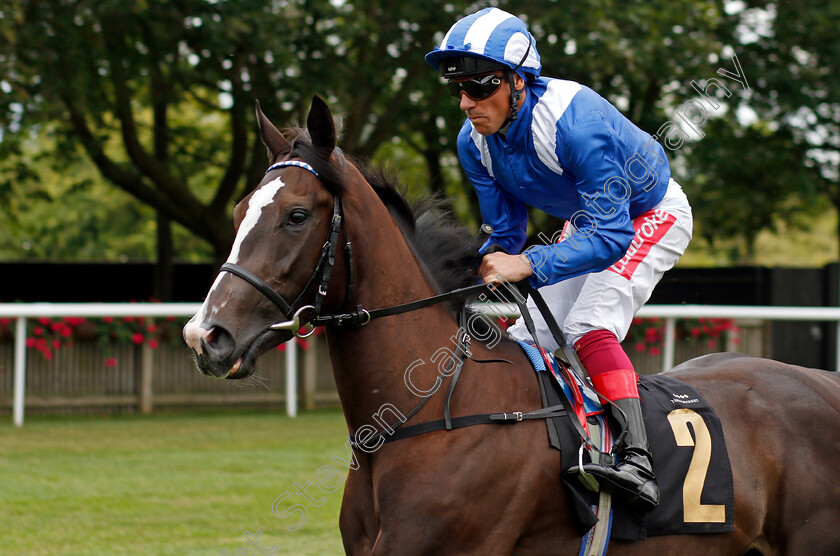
278, 261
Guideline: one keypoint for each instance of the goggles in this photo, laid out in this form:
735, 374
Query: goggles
478, 88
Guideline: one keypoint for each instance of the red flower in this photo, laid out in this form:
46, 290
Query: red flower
153, 344
137, 338
38, 331
30, 342
655, 351
111, 362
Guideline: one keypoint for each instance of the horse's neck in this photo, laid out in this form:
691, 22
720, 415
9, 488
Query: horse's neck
370, 363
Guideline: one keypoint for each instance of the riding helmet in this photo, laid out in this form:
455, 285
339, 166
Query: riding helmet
485, 41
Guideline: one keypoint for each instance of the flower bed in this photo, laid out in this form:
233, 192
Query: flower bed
48, 335
648, 335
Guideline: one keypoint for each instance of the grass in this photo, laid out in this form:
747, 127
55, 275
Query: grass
177, 483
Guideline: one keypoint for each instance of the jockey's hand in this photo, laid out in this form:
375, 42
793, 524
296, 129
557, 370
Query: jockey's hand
499, 267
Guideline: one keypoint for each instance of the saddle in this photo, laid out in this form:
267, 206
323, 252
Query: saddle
686, 440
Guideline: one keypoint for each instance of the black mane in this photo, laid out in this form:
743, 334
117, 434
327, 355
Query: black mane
447, 249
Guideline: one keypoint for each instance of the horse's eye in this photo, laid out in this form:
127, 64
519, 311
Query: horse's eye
298, 217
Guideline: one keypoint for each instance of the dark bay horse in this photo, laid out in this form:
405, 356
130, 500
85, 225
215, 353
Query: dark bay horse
482, 490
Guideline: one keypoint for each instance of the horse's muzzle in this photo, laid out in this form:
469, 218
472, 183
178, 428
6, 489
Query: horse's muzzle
218, 354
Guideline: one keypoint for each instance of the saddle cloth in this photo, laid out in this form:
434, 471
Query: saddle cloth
686, 440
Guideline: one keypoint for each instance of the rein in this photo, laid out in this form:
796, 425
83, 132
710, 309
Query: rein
361, 317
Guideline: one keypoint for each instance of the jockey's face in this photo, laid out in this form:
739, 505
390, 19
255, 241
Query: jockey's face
489, 114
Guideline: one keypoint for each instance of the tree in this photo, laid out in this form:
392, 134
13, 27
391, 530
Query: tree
160, 94
745, 179
164, 74
794, 49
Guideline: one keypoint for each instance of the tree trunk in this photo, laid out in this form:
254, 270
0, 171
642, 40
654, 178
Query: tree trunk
163, 264
436, 179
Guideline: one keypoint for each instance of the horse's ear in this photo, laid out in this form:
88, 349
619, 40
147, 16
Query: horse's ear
320, 124
274, 141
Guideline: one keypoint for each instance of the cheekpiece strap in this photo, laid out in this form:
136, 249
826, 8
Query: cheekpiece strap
298, 163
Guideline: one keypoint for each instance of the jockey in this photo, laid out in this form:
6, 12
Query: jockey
558, 146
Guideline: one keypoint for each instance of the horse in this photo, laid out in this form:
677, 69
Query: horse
485, 489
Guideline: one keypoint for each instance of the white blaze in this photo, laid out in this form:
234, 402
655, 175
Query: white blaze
258, 201
261, 198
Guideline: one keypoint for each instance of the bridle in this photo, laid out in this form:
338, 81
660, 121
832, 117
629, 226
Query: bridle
294, 310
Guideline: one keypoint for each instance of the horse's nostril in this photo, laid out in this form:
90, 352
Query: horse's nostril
210, 338
215, 342
218, 343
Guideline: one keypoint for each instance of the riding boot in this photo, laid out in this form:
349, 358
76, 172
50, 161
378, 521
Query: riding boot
632, 474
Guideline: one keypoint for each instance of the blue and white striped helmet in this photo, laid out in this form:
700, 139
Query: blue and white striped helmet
487, 40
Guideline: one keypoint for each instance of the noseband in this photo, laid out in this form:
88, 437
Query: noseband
293, 311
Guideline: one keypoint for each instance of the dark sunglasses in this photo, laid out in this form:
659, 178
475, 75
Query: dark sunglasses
477, 88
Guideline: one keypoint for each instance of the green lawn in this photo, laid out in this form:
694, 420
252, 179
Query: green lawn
180, 483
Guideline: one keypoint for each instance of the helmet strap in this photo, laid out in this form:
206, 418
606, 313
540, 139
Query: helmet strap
515, 94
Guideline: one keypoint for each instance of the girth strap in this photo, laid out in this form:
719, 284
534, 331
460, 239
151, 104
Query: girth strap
458, 423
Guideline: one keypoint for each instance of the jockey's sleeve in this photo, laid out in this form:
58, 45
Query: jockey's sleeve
603, 227
507, 215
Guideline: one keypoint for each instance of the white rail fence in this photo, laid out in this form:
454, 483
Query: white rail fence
24, 311
670, 313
